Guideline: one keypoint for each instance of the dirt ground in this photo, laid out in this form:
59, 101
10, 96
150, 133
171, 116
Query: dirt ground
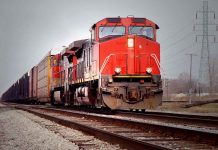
211, 108
178, 103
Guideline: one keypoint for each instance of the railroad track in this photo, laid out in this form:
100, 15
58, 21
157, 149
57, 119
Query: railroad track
128, 133
200, 122
204, 122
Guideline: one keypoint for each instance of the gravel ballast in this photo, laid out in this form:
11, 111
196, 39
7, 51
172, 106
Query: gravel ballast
22, 130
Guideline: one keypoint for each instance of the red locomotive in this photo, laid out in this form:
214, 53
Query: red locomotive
118, 68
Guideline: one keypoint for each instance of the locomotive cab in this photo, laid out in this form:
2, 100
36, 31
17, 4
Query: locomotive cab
129, 68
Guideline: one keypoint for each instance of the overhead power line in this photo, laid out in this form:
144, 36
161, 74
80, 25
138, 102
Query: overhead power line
170, 57
179, 31
185, 37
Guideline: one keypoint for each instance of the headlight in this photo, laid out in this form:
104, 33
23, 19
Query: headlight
117, 70
130, 42
148, 70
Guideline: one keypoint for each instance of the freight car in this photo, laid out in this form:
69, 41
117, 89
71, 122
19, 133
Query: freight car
33, 84
118, 68
18, 92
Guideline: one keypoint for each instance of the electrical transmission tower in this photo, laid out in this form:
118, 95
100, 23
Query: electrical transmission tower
205, 70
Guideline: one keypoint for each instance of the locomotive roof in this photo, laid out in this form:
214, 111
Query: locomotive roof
77, 44
120, 20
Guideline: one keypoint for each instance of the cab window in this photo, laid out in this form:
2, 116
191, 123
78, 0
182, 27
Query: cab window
111, 31
142, 31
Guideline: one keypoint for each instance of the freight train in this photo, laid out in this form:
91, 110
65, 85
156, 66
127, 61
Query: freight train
117, 68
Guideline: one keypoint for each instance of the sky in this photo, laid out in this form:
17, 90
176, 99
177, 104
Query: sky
30, 28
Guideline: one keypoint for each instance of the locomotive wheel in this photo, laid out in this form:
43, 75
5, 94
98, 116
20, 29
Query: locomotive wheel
92, 95
52, 98
71, 97
63, 101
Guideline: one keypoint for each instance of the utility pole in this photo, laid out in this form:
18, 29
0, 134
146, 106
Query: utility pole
205, 74
167, 85
190, 78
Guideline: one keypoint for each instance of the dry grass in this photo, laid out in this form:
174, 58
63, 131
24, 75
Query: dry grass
176, 102
185, 97
178, 107
207, 108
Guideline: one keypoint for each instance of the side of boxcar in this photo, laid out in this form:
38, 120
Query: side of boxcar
43, 79
33, 84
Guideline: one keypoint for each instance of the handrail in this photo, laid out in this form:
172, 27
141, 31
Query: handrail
156, 60
154, 56
105, 62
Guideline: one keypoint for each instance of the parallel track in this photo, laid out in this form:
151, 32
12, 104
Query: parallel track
192, 120
207, 118
128, 133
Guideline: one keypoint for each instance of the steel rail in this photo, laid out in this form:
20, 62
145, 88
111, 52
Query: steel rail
180, 116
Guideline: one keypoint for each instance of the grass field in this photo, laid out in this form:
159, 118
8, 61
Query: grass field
179, 107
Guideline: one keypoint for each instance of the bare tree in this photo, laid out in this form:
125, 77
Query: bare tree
181, 84
214, 73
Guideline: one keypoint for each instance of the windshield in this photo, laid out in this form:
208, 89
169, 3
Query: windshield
108, 31
142, 30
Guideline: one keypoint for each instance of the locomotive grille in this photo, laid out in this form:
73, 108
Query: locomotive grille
121, 78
